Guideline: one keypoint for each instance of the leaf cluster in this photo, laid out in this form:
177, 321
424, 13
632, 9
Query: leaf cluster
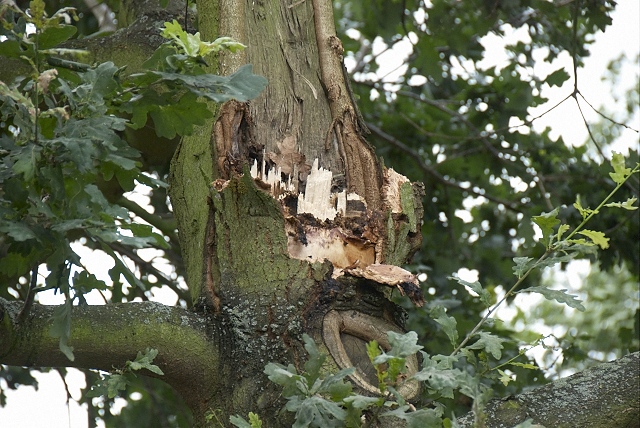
109, 385
452, 117
462, 124
321, 399
475, 367
173, 89
62, 152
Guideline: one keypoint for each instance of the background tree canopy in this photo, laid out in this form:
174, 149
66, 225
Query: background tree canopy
447, 118
464, 130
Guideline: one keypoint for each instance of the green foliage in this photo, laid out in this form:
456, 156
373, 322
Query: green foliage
607, 329
448, 323
141, 398
61, 136
476, 287
110, 385
473, 368
64, 162
321, 399
457, 115
61, 328
558, 295
192, 46
311, 397
143, 361
458, 128
177, 68
559, 249
254, 421
14, 377
391, 365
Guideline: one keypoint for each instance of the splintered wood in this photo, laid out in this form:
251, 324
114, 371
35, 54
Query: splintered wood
323, 224
317, 200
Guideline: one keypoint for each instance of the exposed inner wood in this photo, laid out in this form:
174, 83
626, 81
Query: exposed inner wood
322, 224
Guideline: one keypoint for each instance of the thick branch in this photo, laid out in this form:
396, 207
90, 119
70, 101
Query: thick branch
606, 395
362, 170
105, 337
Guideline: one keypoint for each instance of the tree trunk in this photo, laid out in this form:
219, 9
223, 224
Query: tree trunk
283, 208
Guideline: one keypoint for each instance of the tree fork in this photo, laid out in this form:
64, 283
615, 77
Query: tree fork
284, 207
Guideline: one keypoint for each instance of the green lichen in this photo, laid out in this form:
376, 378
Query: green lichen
398, 246
407, 202
250, 240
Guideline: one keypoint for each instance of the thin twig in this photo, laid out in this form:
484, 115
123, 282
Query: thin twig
495, 307
550, 250
167, 227
602, 204
586, 124
461, 117
432, 172
543, 193
149, 269
606, 117
66, 388
31, 294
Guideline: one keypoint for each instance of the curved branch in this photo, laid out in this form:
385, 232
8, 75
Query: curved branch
104, 337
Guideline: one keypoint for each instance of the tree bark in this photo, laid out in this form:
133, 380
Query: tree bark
252, 254
604, 396
265, 250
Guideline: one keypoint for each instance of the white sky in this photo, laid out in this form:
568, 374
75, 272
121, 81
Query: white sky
47, 408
